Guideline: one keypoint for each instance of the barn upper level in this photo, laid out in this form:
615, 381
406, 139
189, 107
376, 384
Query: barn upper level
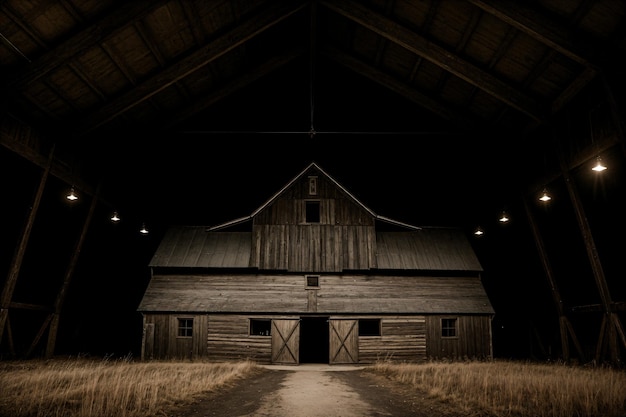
314, 225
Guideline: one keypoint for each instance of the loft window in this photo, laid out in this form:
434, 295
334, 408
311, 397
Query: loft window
369, 327
260, 327
312, 281
185, 327
312, 211
448, 327
312, 185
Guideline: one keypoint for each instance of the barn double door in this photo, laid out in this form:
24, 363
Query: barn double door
343, 341
286, 341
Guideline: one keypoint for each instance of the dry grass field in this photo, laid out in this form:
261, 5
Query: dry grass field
507, 388
105, 388
124, 388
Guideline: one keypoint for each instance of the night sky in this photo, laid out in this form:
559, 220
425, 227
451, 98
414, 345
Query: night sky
395, 158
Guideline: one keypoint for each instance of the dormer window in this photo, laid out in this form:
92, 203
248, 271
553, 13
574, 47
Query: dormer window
312, 211
312, 185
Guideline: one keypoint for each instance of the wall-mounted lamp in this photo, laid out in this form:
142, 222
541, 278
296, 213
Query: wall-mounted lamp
479, 231
115, 218
143, 229
504, 218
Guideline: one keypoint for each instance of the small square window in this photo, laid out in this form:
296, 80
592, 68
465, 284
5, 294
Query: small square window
260, 327
369, 327
448, 327
312, 211
185, 327
313, 281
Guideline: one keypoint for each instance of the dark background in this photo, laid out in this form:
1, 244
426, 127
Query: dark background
366, 142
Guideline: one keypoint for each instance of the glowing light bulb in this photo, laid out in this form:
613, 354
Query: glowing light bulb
599, 166
72, 195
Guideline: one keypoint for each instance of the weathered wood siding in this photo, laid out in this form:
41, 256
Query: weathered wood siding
473, 340
336, 205
402, 339
287, 294
344, 237
161, 339
229, 338
313, 247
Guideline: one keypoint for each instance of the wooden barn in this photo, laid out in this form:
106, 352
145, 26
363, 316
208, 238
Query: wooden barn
315, 276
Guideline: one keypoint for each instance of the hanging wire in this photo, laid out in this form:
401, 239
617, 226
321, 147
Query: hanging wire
312, 66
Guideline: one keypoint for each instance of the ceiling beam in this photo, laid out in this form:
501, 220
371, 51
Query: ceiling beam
536, 25
32, 150
440, 109
439, 56
548, 32
228, 88
77, 44
243, 32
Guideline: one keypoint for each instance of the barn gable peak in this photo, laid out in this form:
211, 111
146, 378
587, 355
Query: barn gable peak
313, 171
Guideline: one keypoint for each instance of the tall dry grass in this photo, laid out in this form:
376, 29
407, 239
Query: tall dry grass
103, 388
509, 388
123, 388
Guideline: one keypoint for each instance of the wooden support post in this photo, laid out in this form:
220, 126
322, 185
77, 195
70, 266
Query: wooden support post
565, 326
611, 321
16, 264
40, 333
58, 304
10, 337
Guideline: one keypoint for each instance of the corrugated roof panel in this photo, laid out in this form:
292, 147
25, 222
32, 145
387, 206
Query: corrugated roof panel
167, 246
193, 246
426, 249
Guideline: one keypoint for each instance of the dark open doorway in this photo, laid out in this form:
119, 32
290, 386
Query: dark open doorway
314, 340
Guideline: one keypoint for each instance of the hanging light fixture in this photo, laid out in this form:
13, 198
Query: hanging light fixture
115, 218
143, 229
479, 231
599, 166
504, 218
545, 197
72, 196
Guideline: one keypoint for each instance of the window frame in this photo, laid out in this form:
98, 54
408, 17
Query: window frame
446, 328
254, 324
313, 185
184, 330
312, 216
369, 333
311, 286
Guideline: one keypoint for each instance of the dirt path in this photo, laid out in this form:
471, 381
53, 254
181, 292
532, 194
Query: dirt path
317, 391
